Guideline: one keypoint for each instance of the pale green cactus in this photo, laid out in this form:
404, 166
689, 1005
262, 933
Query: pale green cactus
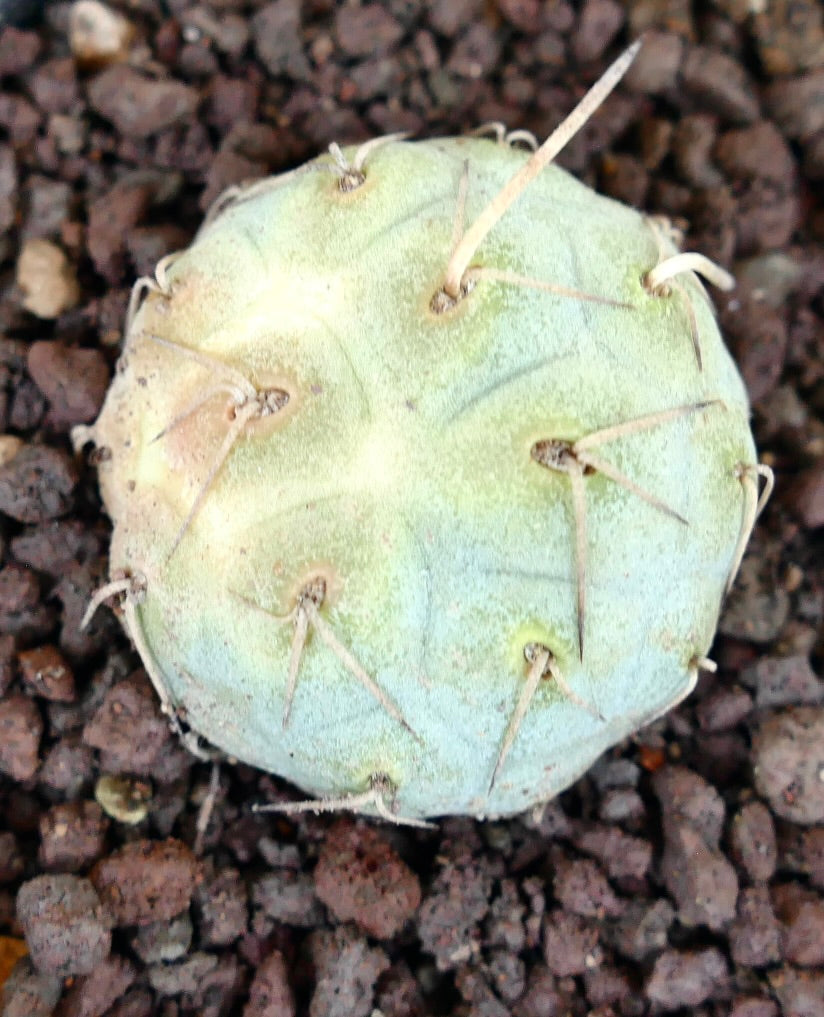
428, 469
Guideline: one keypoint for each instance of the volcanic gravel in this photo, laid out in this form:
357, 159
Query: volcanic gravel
685, 873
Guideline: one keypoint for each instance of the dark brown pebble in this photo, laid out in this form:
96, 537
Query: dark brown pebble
52, 547
74, 381
570, 943
146, 881
72, 836
30, 993
658, 63
752, 841
719, 84
642, 930
799, 993
682, 978
449, 915
278, 40
807, 496
67, 927
67, 767
797, 105
364, 31
183, 977
22, 613
222, 908
129, 726
287, 896
598, 24
164, 941
582, 888
812, 853
783, 681
622, 855
21, 728
91, 995
11, 860
753, 1006
361, 878
787, 764
754, 935
758, 337
18, 50
139, 106
698, 876
270, 994
801, 912
37, 484
47, 674
346, 969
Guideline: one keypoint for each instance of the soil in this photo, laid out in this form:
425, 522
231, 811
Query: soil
685, 873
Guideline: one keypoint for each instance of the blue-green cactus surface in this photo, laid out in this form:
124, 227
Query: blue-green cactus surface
419, 553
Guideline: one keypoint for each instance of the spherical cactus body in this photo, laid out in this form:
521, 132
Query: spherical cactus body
421, 526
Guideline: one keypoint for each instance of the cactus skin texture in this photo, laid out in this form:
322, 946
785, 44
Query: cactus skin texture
407, 551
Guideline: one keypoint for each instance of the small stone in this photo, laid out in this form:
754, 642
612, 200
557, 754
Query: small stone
449, 17
278, 40
222, 907
812, 852
753, 1006
797, 105
642, 930
72, 836
18, 50
449, 916
129, 726
12, 863
365, 31
186, 977
571, 943
92, 995
138, 106
799, 993
581, 887
37, 484
46, 278
754, 935
346, 969
752, 841
359, 877
783, 681
146, 881
755, 151
598, 24
98, 35
699, 877
681, 978
125, 799
21, 728
74, 380
164, 941
719, 84
67, 928
801, 912
807, 495
28, 992
289, 897
789, 35
46, 673
270, 994
788, 765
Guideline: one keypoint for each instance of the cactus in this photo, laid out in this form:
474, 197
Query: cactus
428, 469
